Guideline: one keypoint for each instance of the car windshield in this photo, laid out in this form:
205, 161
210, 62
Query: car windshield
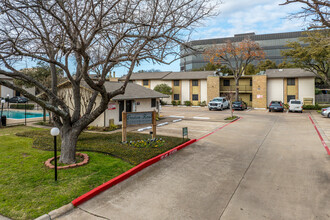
295, 102
237, 103
216, 100
275, 103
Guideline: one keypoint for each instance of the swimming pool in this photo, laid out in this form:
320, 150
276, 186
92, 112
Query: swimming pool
21, 115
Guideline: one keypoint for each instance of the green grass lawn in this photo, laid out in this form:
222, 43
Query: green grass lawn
231, 118
27, 187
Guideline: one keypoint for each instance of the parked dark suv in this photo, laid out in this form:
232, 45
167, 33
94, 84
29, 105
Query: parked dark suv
276, 106
239, 105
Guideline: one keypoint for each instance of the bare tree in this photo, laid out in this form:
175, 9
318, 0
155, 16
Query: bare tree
316, 12
90, 36
236, 56
230, 96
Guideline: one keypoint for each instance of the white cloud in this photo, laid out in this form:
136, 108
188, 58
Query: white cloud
242, 16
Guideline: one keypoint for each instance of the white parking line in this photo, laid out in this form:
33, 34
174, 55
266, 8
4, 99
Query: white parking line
203, 118
146, 128
162, 124
177, 120
249, 110
174, 116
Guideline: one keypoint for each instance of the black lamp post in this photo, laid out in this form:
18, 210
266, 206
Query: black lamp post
55, 132
2, 103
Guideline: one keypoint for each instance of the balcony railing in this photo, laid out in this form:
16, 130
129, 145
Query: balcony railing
233, 88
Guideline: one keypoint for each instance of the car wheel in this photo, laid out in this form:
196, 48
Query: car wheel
210, 109
221, 108
270, 110
328, 115
301, 111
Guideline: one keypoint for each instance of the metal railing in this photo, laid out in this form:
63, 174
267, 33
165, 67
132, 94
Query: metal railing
233, 88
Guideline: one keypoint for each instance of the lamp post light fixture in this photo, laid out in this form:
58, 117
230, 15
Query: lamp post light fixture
8, 102
55, 132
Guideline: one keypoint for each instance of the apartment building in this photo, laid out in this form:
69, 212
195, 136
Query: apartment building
256, 90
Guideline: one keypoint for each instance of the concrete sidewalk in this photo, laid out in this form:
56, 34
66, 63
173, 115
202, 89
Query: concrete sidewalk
266, 166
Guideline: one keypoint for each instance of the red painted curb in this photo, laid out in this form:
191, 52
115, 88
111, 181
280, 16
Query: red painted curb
321, 138
127, 174
219, 129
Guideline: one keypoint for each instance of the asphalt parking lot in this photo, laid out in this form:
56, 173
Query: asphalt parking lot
264, 166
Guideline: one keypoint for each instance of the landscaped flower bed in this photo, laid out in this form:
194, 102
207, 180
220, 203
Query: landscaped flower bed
156, 142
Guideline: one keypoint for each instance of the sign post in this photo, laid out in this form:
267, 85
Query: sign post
184, 132
138, 118
124, 126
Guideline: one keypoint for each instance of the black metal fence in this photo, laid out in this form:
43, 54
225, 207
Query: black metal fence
21, 114
322, 98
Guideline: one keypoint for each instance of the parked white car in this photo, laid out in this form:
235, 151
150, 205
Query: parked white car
326, 112
218, 103
295, 105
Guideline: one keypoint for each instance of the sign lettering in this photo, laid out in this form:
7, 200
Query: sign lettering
111, 106
139, 118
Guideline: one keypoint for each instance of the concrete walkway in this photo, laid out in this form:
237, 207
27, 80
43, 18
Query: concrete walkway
265, 166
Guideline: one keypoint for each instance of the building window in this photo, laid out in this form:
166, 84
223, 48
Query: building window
250, 82
176, 97
226, 82
250, 97
291, 81
195, 97
153, 103
176, 83
290, 97
195, 83
145, 82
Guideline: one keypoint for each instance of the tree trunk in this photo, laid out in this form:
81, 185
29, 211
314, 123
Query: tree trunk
237, 90
68, 145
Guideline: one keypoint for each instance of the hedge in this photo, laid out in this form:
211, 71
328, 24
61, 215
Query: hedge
22, 106
314, 107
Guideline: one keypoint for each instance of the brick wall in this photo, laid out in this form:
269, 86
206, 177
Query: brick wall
213, 87
259, 91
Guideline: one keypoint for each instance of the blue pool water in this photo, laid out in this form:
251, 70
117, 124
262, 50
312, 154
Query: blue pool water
21, 115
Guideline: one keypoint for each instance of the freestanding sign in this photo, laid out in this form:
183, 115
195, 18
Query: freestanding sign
184, 132
138, 118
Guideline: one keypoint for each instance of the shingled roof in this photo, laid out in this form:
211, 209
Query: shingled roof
170, 75
133, 91
146, 75
188, 75
288, 73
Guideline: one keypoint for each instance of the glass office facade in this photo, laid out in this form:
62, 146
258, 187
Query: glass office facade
272, 45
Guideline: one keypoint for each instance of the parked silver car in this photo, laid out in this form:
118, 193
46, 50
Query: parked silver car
218, 103
326, 112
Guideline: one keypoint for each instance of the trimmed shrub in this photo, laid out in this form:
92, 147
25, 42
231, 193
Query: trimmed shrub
163, 102
203, 103
187, 103
314, 107
22, 106
174, 103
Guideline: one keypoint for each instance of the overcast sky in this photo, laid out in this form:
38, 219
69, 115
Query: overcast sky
242, 16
